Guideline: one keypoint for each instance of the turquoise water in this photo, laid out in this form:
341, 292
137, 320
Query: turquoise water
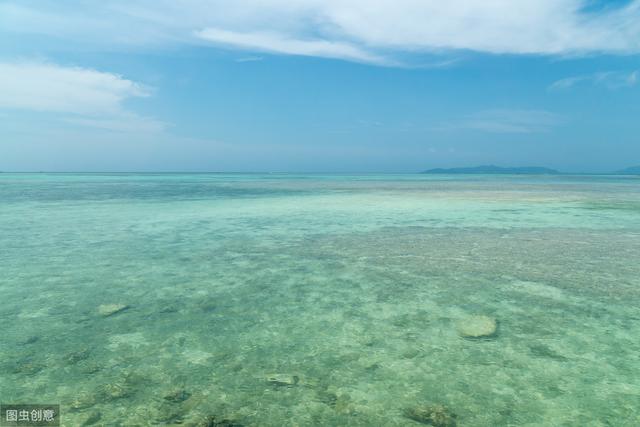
309, 300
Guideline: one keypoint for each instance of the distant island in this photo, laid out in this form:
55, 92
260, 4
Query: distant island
491, 169
634, 170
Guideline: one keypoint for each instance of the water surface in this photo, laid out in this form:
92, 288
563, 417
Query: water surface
310, 300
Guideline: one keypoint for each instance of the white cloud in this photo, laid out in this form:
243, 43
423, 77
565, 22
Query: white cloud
494, 26
506, 121
87, 96
50, 87
608, 79
375, 31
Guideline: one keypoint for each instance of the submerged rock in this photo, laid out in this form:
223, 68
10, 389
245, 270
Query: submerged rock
114, 391
169, 309
343, 404
92, 419
169, 415
30, 340
542, 350
107, 310
76, 356
327, 397
27, 366
434, 415
177, 396
91, 368
410, 353
283, 380
478, 326
208, 306
213, 421
83, 400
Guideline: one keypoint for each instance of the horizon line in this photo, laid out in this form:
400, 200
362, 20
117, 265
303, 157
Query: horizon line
176, 172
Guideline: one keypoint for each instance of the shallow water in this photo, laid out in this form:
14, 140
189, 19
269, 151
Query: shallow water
347, 289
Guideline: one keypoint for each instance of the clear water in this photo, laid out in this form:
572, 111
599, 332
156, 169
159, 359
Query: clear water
347, 287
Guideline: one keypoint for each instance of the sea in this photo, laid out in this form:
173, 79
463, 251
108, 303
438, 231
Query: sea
321, 300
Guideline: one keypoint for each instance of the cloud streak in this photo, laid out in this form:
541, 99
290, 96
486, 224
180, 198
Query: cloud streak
608, 79
283, 44
505, 121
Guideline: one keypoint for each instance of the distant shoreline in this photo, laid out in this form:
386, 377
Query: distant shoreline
525, 170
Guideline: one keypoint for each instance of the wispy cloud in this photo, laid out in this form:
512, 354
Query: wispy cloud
505, 121
274, 42
250, 59
128, 123
87, 97
372, 31
608, 79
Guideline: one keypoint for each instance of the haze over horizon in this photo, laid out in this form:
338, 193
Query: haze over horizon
319, 86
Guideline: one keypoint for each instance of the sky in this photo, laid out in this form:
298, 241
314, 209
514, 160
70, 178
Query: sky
318, 85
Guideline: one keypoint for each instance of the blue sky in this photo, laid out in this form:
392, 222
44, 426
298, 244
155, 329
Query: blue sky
318, 86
